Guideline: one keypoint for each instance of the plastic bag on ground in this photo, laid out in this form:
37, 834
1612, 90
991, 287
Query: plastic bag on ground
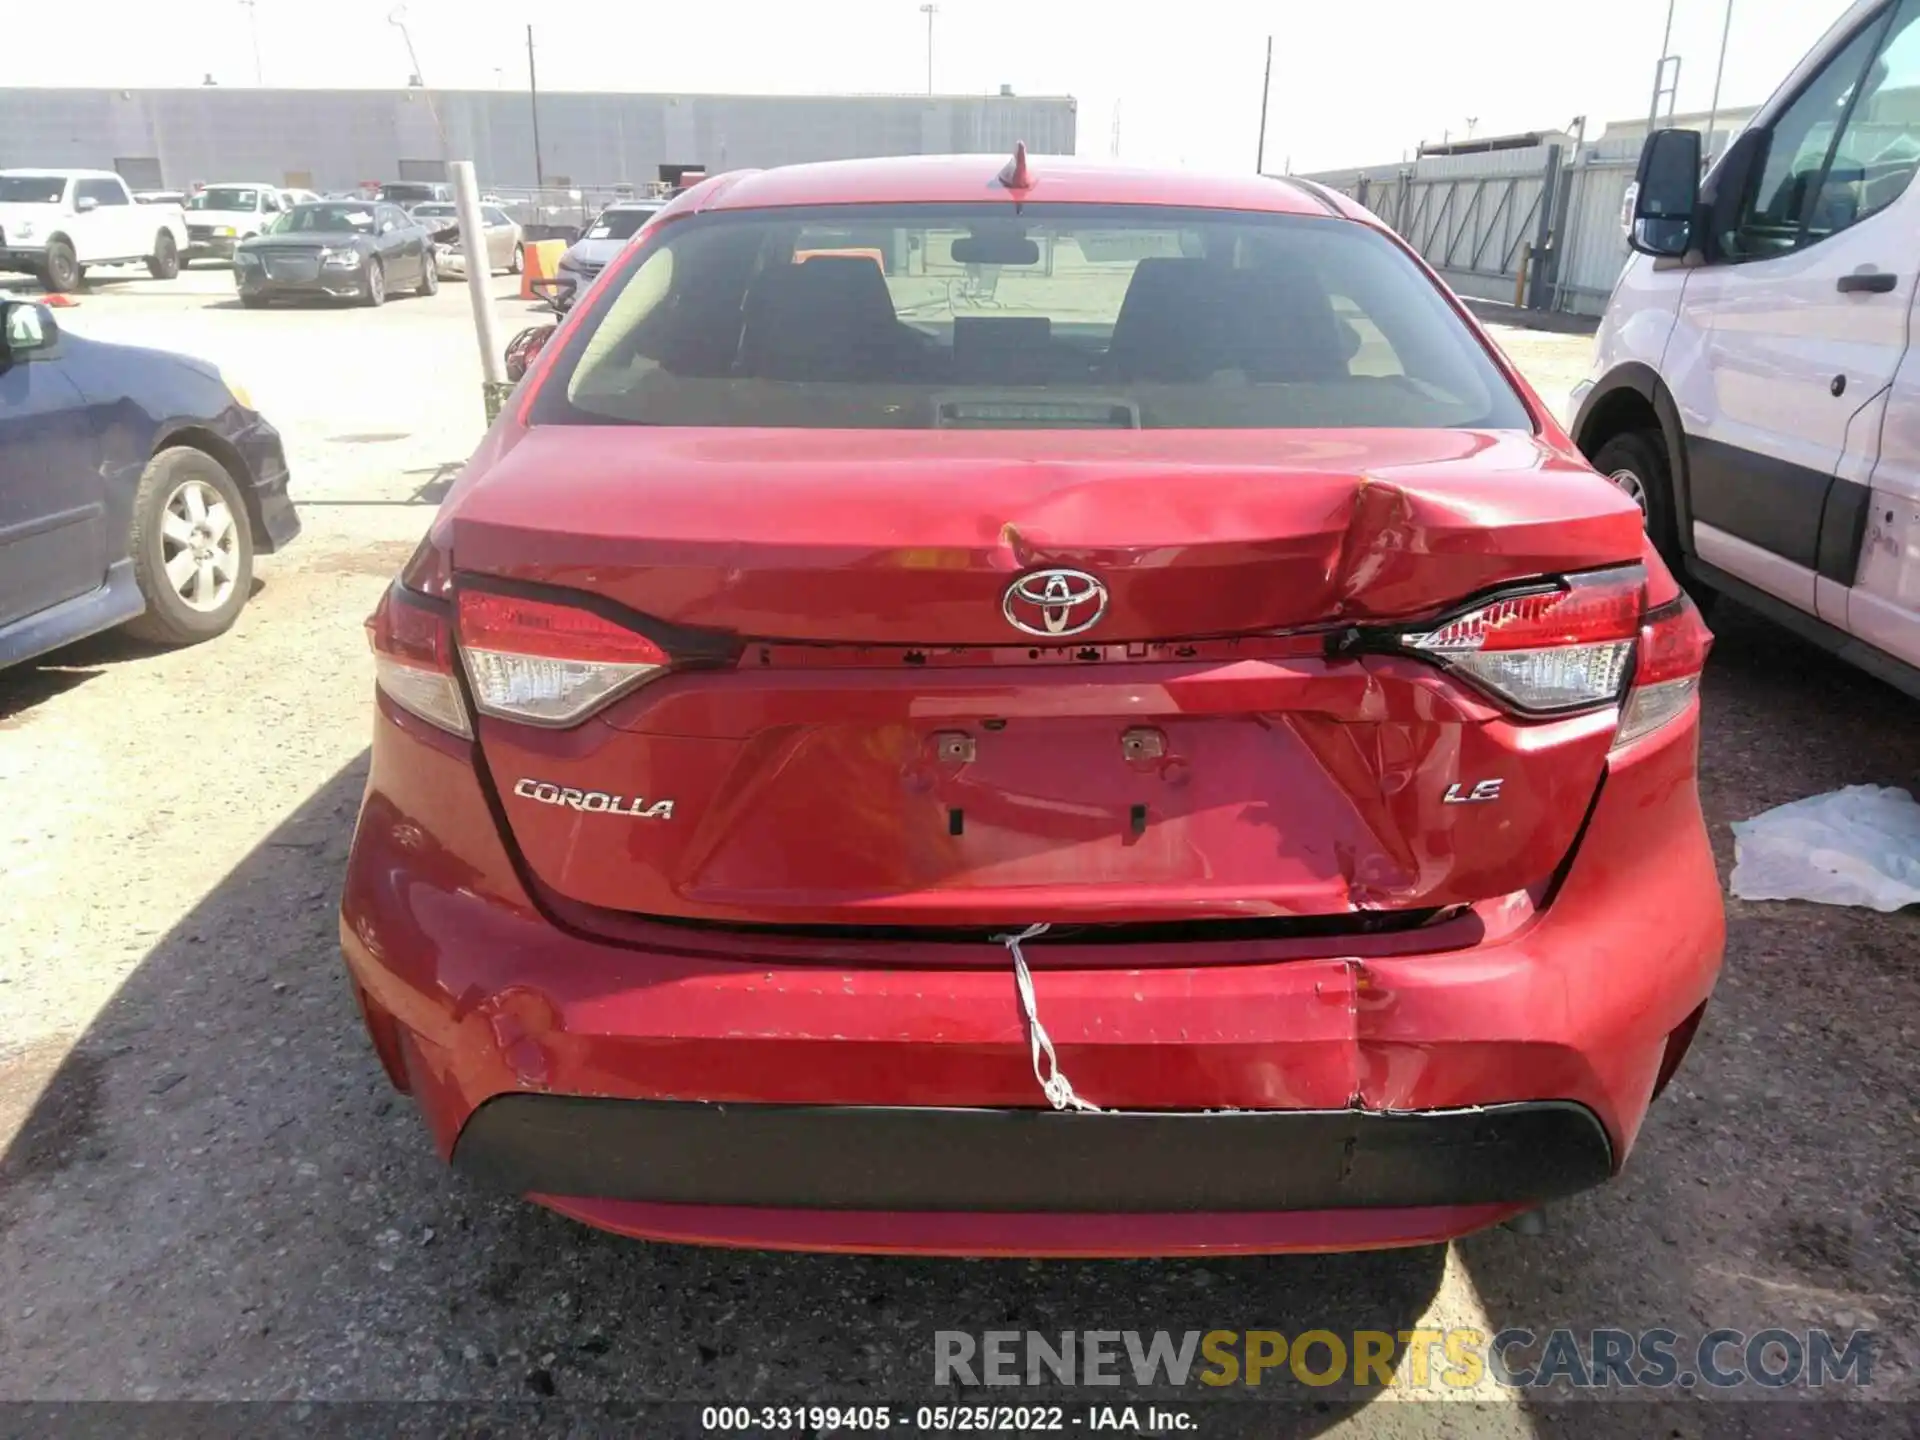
1857, 846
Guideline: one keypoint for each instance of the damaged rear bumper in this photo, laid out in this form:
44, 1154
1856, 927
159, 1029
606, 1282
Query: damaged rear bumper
840, 1157
632, 1087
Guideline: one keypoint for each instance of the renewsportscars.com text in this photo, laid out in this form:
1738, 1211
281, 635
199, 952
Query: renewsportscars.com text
1455, 1359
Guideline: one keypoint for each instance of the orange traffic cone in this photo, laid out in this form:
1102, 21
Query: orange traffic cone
540, 260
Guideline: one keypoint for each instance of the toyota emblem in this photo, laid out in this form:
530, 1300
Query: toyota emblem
1055, 604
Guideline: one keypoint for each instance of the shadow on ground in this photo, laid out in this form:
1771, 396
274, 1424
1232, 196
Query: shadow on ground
1773, 1185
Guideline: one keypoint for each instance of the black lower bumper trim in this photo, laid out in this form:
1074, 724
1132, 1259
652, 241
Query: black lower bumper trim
828, 1157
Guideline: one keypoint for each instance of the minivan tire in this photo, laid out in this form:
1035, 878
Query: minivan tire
1636, 462
171, 619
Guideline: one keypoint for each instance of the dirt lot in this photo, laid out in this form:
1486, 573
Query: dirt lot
208, 1191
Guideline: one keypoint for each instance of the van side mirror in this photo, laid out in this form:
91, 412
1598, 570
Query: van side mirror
1666, 193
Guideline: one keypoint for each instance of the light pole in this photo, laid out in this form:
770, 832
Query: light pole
1713, 111
253, 27
929, 10
1266, 86
397, 17
1661, 84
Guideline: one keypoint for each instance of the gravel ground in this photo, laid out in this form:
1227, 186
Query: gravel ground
208, 1191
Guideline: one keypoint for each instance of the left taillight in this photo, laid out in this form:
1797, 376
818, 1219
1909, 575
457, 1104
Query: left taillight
413, 658
542, 662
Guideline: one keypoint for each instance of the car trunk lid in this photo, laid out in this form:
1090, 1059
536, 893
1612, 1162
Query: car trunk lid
867, 741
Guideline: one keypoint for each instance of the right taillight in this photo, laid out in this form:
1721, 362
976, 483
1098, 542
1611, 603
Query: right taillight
1547, 649
1674, 642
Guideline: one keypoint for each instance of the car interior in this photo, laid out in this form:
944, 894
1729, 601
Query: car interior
1221, 325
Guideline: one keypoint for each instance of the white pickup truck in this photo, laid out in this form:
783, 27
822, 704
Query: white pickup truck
54, 224
221, 215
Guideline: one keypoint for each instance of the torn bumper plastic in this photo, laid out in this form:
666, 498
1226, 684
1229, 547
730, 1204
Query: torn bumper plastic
472, 994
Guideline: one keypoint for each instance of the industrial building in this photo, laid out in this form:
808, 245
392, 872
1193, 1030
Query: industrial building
337, 139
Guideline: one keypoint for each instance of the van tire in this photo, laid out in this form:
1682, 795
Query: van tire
1636, 462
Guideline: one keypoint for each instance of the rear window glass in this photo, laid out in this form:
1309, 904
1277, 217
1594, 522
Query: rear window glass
32, 189
919, 317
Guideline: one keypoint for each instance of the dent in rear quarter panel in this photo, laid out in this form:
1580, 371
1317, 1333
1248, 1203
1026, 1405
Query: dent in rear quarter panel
425, 838
1643, 883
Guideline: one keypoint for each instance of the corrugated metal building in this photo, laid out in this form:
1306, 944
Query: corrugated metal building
334, 139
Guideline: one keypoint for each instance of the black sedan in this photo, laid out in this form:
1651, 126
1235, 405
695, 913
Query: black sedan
346, 249
136, 487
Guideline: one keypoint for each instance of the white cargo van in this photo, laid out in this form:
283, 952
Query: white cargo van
1753, 385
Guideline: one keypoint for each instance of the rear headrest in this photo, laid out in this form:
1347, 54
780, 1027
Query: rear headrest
1184, 319
827, 318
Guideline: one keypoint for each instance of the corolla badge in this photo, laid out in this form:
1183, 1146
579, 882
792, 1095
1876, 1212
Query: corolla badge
598, 802
1054, 604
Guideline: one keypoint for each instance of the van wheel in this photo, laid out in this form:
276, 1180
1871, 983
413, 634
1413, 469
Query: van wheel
192, 548
1636, 462
61, 272
164, 262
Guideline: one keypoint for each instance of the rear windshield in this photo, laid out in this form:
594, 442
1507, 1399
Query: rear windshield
920, 317
324, 218
32, 189
224, 197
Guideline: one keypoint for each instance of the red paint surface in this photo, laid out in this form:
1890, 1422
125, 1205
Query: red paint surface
809, 787
1572, 1003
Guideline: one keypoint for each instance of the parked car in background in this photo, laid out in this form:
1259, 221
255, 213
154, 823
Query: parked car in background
136, 487
291, 198
1756, 385
54, 224
605, 238
409, 193
502, 234
337, 248
828, 729
220, 216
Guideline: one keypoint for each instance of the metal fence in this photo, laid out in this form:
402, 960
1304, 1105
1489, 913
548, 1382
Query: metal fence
1539, 225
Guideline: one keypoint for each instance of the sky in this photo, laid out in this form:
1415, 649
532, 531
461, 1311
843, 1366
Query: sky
1354, 81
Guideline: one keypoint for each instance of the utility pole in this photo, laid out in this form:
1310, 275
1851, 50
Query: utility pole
1660, 83
1266, 86
473, 247
1713, 111
397, 17
253, 27
929, 10
533, 99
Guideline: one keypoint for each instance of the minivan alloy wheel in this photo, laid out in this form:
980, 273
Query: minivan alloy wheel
200, 538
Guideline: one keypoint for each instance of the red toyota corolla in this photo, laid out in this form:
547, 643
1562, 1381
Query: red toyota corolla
1017, 707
